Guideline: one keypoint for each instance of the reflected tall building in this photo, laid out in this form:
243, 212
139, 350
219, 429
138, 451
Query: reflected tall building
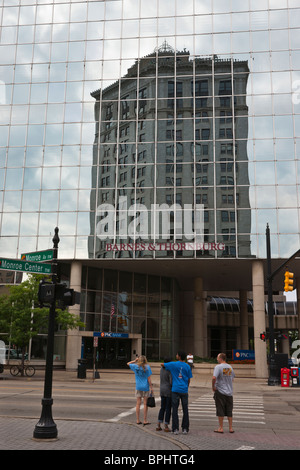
160, 138
171, 142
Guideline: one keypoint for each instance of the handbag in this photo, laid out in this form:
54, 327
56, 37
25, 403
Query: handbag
151, 401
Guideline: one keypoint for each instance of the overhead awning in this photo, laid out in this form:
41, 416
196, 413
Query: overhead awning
230, 304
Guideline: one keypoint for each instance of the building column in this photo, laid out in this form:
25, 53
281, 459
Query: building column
200, 319
259, 319
73, 347
244, 320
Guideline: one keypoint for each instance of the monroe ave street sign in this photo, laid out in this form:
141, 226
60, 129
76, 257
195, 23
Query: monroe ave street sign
46, 255
26, 266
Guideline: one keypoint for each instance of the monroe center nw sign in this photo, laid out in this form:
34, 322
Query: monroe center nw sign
25, 266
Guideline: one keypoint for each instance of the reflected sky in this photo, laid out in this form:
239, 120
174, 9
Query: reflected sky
54, 55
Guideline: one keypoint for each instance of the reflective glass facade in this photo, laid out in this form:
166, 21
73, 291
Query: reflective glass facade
151, 130
193, 102
139, 304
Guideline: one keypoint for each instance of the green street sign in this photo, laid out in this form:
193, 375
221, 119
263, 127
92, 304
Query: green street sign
26, 266
38, 256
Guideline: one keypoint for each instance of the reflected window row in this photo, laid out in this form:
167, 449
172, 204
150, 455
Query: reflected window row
260, 127
222, 45
76, 34
243, 197
73, 155
285, 170
97, 68
113, 8
226, 228
71, 113
192, 87
99, 12
75, 246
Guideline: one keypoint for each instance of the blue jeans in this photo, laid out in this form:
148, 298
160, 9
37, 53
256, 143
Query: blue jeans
176, 397
165, 410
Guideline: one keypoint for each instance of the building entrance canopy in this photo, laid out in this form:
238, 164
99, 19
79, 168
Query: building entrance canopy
217, 274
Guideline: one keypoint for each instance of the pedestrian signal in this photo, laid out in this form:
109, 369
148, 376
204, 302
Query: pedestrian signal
288, 281
263, 336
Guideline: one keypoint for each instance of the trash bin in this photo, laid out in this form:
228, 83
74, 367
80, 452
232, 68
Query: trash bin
81, 371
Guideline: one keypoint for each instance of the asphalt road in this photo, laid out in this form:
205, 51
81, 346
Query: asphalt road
264, 417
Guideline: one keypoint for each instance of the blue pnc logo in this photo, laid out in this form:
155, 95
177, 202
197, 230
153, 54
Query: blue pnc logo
243, 355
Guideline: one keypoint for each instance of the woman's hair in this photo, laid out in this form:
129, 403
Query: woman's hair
142, 361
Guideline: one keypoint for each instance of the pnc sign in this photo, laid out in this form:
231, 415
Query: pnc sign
104, 334
243, 355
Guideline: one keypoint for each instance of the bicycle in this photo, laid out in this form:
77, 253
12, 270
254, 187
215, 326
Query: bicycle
17, 369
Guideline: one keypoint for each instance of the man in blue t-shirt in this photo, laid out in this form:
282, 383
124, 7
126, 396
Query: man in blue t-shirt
181, 375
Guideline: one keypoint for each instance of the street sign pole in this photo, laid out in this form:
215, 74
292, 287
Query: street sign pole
273, 379
273, 375
46, 427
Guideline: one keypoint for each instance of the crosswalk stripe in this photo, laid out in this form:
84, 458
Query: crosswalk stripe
247, 409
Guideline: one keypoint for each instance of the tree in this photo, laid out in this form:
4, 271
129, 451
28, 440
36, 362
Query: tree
20, 317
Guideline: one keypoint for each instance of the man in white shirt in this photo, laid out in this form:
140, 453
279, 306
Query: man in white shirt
223, 391
190, 359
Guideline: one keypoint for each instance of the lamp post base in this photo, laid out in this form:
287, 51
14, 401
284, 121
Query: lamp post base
46, 427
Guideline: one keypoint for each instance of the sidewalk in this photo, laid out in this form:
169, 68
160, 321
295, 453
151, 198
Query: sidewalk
17, 434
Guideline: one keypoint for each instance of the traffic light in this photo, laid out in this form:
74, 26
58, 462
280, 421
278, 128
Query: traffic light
263, 336
46, 293
288, 281
66, 297
71, 297
62, 295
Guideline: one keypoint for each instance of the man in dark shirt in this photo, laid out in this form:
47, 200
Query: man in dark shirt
181, 375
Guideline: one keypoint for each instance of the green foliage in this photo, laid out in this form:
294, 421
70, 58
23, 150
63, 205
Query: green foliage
20, 317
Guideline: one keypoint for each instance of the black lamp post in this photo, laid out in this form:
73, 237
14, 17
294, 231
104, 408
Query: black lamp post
273, 379
273, 375
46, 427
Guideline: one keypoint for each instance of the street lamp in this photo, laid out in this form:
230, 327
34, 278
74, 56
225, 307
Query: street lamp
274, 378
46, 427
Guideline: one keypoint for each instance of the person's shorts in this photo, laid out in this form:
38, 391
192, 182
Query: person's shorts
142, 394
224, 404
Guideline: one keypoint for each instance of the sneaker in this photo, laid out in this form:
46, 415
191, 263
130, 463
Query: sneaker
184, 431
166, 429
158, 428
175, 431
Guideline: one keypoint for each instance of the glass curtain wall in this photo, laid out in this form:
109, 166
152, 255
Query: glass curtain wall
193, 102
122, 302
